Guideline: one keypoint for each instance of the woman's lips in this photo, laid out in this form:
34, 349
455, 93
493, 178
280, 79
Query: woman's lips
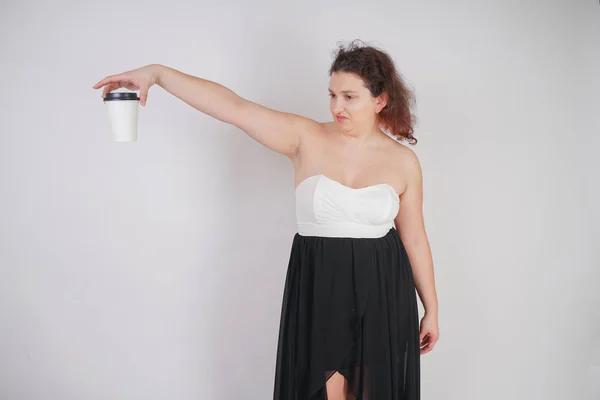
340, 119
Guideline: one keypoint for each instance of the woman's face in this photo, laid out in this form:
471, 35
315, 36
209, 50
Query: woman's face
351, 103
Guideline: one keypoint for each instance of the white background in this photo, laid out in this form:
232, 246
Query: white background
155, 270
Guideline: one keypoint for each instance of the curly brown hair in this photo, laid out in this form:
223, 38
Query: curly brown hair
376, 68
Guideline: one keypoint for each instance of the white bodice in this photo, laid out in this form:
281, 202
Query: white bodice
325, 207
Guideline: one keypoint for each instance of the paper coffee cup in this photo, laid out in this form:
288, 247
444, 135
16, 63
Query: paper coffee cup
123, 115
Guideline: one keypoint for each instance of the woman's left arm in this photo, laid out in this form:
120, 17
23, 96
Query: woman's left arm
411, 228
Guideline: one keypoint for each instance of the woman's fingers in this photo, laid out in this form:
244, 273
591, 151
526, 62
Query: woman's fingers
424, 345
427, 345
132, 80
106, 81
109, 88
131, 85
121, 80
115, 82
424, 339
426, 349
422, 335
143, 95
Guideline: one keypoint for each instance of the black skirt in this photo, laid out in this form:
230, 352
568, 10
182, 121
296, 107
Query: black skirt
349, 306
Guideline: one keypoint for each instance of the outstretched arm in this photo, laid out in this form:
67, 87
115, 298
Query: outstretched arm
278, 131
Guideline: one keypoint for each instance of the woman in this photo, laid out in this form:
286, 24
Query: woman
349, 324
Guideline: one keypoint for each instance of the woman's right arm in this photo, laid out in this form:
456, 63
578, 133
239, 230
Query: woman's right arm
278, 131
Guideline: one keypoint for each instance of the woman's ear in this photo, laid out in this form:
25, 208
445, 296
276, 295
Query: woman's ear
380, 102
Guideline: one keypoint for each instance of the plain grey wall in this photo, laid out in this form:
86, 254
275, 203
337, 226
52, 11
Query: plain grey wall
155, 270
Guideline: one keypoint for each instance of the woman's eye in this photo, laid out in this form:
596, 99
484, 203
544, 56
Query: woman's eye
347, 97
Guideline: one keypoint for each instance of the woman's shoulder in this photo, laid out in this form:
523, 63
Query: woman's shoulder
326, 127
408, 161
402, 156
320, 130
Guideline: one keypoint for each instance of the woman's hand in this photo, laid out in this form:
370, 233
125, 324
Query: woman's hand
141, 79
429, 333
276, 130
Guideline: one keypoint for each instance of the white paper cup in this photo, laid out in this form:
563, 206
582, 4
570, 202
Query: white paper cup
123, 115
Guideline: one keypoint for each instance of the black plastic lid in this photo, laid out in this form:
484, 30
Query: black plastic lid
121, 96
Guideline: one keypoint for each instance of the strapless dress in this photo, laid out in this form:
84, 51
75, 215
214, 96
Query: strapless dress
349, 300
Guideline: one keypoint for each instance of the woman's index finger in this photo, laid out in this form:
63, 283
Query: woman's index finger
107, 80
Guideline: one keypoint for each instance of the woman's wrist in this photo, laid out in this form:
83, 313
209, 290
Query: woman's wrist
431, 311
157, 72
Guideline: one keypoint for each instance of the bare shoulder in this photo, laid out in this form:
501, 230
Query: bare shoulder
409, 159
319, 129
407, 162
309, 129
277, 130
313, 134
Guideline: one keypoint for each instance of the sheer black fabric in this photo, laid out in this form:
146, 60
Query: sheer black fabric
349, 305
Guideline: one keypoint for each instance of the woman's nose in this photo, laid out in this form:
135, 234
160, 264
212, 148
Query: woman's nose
337, 107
